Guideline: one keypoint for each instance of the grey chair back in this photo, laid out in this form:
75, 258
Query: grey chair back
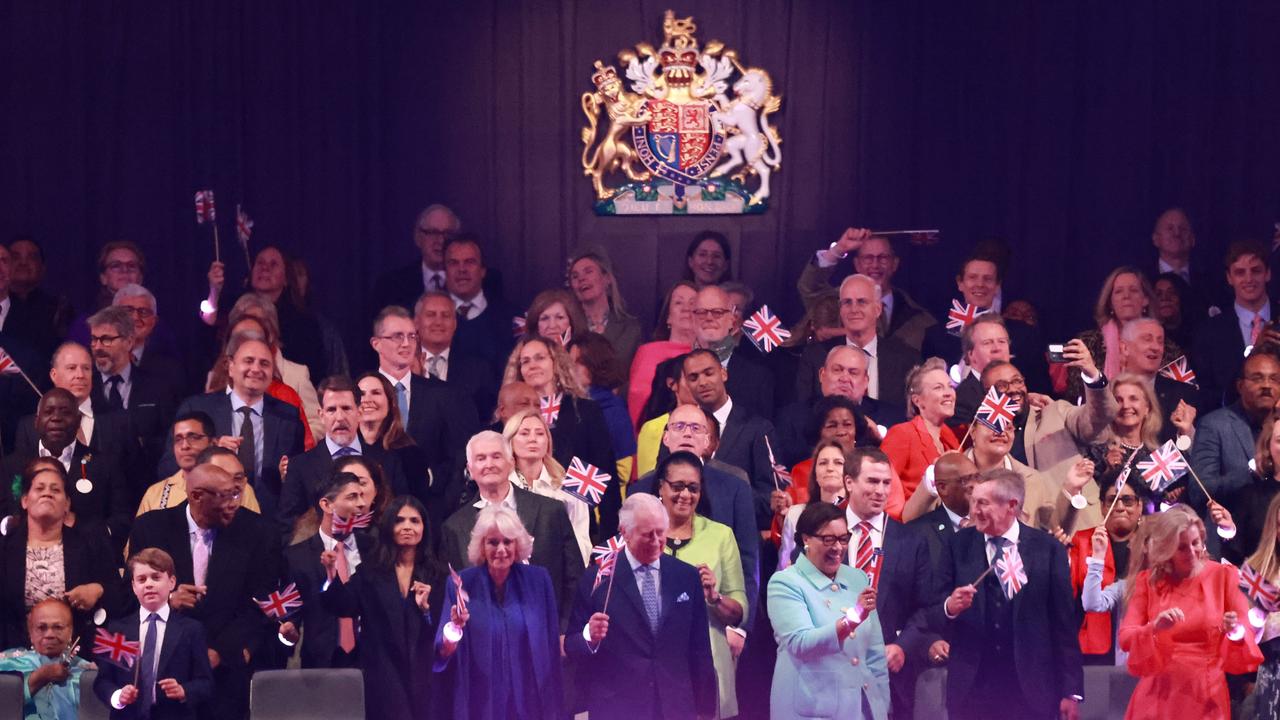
11, 695
91, 708
306, 695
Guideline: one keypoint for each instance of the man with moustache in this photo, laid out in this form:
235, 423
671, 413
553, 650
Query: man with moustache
896, 560
1012, 654
1226, 438
340, 414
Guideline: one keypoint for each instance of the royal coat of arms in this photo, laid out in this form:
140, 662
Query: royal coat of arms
682, 144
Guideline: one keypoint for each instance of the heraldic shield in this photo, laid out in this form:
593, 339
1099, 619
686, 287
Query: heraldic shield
683, 144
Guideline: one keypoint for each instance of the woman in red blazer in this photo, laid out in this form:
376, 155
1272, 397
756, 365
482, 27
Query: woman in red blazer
912, 446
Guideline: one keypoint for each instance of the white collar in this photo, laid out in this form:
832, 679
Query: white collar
192, 527
237, 403
636, 564
877, 521
1264, 312
1011, 534
508, 502
955, 519
869, 348
330, 542
163, 612
408, 372
335, 447
67, 452
125, 373
442, 354
477, 303
86, 408
722, 415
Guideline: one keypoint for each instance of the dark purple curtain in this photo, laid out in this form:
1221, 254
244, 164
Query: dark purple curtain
1062, 127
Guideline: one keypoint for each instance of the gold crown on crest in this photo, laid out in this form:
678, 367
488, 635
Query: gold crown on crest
603, 74
678, 32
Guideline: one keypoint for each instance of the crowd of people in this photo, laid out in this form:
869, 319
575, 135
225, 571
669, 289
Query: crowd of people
536, 511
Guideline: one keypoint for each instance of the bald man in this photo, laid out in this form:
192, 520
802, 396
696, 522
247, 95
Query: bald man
218, 594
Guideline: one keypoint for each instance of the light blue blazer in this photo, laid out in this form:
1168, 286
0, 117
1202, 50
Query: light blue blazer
815, 676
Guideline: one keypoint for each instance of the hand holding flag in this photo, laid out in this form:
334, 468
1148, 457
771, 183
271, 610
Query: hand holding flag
585, 481
1179, 371
765, 330
280, 604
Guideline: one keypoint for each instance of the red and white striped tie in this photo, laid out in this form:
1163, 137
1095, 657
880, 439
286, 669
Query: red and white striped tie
865, 547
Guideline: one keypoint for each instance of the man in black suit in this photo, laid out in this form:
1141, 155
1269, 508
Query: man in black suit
889, 359
224, 556
484, 319
155, 353
121, 386
1221, 341
903, 318
437, 415
436, 321
174, 678
555, 548
688, 428
982, 341
1014, 647
273, 431
844, 373
340, 414
329, 641
649, 653
744, 437
36, 315
899, 570
1142, 352
749, 380
1174, 239
96, 486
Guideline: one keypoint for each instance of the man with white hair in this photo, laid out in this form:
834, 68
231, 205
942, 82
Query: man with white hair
1142, 353
648, 643
154, 347
888, 359
489, 460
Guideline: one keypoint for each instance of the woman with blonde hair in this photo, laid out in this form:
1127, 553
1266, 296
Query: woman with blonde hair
590, 277
1183, 628
1266, 562
578, 427
537, 471
1135, 431
913, 445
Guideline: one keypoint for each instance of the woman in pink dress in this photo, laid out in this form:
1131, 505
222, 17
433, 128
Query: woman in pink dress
673, 337
1183, 629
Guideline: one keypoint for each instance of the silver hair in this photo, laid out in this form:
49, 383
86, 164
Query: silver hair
135, 290
843, 347
116, 317
508, 525
859, 277
490, 435
437, 207
1129, 332
639, 504
966, 335
1009, 484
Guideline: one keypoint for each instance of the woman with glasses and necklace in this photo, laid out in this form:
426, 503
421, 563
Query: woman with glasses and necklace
711, 548
831, 658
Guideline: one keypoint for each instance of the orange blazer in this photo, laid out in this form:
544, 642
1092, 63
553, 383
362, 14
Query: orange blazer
911, 450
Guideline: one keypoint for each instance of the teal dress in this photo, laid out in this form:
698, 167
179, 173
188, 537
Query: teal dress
815, 675
52, 702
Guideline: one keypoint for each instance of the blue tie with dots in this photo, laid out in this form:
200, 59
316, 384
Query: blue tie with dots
649, 594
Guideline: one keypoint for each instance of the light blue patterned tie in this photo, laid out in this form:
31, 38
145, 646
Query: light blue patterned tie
402, 399
649, 594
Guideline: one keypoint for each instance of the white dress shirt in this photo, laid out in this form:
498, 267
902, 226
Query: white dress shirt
877, 533
955, 519
86, 421
64, 458
443, 371
873, 365
193, 529
477, 303
428, 275
334, 447
657, 576
5, 305
508, 502
237, 420
1011, 535
1184, 272
352, 550
722, 415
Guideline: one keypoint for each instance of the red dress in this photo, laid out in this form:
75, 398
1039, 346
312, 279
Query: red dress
1182, 669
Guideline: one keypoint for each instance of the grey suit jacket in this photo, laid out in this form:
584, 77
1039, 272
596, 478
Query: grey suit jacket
1221, 454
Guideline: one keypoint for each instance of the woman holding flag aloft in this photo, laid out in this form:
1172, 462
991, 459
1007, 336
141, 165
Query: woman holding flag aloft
500, 649
1185, 626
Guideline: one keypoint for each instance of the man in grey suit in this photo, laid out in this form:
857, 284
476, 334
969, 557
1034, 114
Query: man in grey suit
490, 462
1226, 438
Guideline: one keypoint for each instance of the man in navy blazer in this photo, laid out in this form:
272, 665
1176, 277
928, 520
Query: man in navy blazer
484, 320
899, 571
275, 430
649, 654
1013, 656
1221, 341
178, 679
1226, 438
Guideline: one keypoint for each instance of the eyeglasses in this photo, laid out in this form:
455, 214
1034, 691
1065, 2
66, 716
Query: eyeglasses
400, 338
142, 313
833, 540
1125, 500
223, 498
103, 339
1004, 386
689, 427
679, 487
189, 438
120, 266
716, 313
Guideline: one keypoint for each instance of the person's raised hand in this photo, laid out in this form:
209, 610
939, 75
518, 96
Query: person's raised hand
1098, 542
960, 599
851, 240
1078, 356
598, 627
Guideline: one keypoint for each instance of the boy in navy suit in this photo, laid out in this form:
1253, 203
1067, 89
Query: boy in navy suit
174, 676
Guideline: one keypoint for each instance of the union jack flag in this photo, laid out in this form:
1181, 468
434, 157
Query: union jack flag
1179, 371
781, 476
345, 526
1164, 467
766, 329
463, 596
961, 316
1266, 595
566, 336
1010, 572
244, 226
585, 481
1123, 478
997, 411
115, 649
280, 604
607, 564
518, 326
8, 366
611, 546
550, 407
206, 211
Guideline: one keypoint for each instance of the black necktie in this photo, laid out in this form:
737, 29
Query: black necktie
114, 400
147, 672
464, 310
248, 449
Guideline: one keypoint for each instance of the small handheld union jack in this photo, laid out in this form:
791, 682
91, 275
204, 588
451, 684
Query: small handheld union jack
1010, 572
585, 481
206, 210
781, 476
997, 411
1261, 592
605, 570
549, 405
115, 648
611, 546
244, 226
463, 596
518, 326
962, 315
1164, 467
8, 366
766, 329
280, 604
1179, 371
343, 527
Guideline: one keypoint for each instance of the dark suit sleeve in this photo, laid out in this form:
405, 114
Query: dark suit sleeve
705, 686
394, 473
583, 607
1064, 640
342, 598
944, 582
293, 491
120, 506
100, 567
913, 640
761, 472
748, 540
199, 684
599, 452
247, 626
570, 558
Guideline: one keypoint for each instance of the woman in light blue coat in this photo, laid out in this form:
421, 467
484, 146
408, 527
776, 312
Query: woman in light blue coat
831, 660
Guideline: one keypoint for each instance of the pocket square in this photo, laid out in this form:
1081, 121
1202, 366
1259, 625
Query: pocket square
684, 597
